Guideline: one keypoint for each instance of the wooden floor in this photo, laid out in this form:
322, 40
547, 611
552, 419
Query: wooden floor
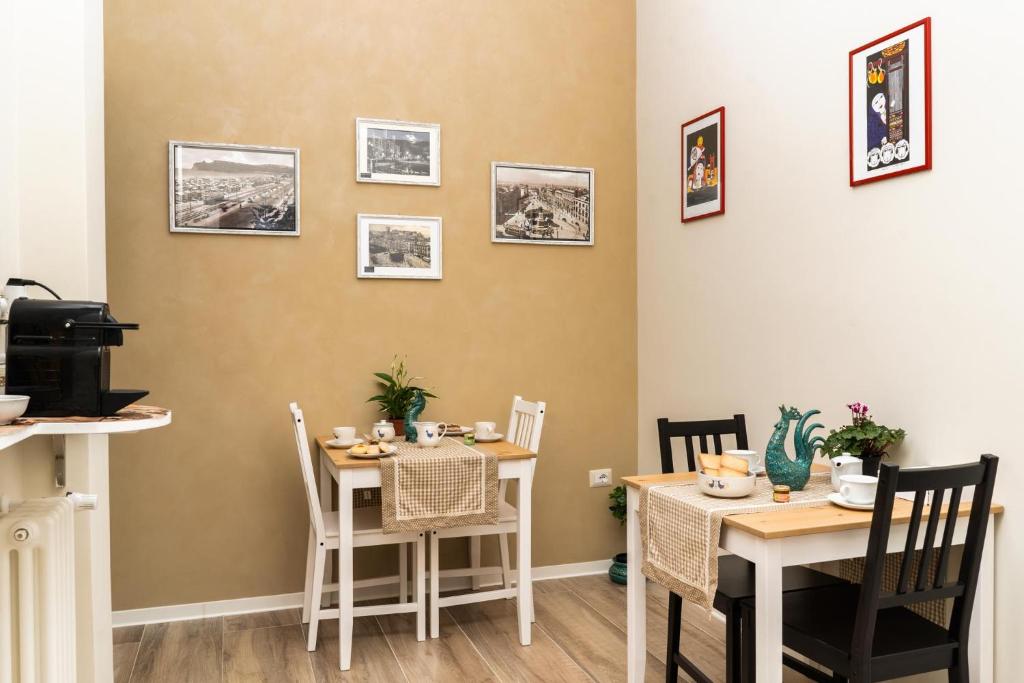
580, 635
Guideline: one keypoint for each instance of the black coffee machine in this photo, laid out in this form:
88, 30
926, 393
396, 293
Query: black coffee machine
58, 353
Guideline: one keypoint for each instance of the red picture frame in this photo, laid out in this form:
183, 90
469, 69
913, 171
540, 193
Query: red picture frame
857, 53
719, 169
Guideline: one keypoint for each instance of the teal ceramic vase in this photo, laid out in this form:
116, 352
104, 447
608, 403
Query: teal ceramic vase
779, 468
617, 572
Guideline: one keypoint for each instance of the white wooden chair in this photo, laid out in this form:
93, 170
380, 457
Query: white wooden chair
525, 425
323, 537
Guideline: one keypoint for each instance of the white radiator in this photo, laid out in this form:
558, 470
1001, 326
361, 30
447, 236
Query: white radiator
37, 592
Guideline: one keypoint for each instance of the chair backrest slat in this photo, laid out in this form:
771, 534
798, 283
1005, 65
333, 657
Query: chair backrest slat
891, 481
316, 517
699, 430
526, 423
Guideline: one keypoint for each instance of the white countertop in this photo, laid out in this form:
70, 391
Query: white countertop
134, 418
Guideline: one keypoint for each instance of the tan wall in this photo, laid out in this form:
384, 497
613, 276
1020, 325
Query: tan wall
904, 293
235, 327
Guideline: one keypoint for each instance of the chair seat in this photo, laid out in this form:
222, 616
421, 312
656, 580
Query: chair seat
819, 623
364, 521
736, 581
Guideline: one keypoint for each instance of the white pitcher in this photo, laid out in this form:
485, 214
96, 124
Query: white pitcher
429, 434
845, 464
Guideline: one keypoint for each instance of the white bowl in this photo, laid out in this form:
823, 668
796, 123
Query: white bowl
726, 487
12, 407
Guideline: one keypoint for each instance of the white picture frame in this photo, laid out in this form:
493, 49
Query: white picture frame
226, 198
398, 152
390, 246
542, 204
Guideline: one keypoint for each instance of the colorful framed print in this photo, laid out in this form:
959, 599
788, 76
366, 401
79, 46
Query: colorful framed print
402, 247
399, 152
891, 105
703, 168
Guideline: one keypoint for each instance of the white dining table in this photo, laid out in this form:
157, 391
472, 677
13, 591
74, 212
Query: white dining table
336, 465
773, 540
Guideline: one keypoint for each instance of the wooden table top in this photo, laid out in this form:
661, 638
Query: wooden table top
798, 521
342, 460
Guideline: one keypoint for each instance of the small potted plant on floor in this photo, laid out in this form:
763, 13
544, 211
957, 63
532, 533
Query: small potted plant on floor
617, 572
863, 438
397, 392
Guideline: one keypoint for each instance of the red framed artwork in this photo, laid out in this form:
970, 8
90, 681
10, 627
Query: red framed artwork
891, 105
703, 166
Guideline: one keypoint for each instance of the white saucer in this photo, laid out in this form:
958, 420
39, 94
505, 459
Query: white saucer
758, 470
490, 439
836, 498
337, 443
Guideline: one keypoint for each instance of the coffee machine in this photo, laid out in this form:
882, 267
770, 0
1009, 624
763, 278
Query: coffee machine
58, 354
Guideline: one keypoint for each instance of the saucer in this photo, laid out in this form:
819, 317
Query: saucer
837, 499
757, 470
490, 439
338, 443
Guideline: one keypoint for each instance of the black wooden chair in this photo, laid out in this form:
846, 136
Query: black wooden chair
863, 633
735, 574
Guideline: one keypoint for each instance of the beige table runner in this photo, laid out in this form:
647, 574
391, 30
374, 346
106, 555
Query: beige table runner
447, 486
680, 528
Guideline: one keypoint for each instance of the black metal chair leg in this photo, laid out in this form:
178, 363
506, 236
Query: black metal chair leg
675, 621
748, 652
733, 644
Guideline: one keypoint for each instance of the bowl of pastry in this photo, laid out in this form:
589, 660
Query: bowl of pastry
725, 476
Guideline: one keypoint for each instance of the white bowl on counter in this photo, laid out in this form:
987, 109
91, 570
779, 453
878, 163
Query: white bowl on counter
12, 407
727, 487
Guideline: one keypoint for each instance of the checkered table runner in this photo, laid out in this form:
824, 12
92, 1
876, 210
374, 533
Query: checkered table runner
450, 485
680, 528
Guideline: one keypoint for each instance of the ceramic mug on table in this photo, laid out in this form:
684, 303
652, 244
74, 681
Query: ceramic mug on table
345, 434
429, 434
752, 458
384, 430
483, 430
858, 489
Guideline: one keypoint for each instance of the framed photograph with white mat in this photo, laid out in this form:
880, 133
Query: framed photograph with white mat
398, 247
703, 168
891, 105
400, 152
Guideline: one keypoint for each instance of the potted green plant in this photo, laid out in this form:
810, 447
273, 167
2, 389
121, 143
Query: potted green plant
863, 438
617, 572
397, 391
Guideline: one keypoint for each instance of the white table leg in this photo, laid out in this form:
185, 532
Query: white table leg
636, 592
345, 578
435, 586
326, 486
403, 569
474, 560
768, 622
524, 582
420, 587
980, 651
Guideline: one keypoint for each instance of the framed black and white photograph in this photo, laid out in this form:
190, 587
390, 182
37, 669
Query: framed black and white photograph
398, 152
533, 204
398, 247
223, 189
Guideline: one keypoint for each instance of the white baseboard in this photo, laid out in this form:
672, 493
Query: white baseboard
267, 603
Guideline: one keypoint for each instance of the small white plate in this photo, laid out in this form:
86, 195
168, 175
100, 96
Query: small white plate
372, 456
490, 439
458, 430
837, 499
338, 443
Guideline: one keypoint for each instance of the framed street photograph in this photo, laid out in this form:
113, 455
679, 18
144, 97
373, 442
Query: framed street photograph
533, 204
398, 247
703, 172
891, 105
398, 152
223, 189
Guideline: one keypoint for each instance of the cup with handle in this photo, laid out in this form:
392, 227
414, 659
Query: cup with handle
858, 489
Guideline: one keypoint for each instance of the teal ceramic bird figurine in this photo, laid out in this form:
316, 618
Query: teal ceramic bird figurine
419, 402
782, 470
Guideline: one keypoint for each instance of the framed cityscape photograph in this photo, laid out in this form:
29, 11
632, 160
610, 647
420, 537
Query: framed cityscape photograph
891, 105
398, 152
703, 172
223, 189
533, 204
398, 247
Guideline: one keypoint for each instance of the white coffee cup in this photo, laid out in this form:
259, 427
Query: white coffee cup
484, 430
345, 434
858, 489
752, 458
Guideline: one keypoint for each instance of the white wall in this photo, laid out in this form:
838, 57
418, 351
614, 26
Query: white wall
52, 227
905, 293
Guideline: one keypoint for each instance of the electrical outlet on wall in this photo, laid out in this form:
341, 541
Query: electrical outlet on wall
600, 478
